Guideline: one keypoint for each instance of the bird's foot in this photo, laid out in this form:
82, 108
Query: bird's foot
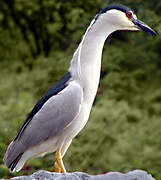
59, 166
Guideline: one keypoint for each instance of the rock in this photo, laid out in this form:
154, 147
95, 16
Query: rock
45, 175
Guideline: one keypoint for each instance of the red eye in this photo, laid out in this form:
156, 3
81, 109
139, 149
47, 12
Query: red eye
129, 14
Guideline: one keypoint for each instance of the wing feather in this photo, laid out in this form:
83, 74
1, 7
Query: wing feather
54, 116
58, 111
59, 86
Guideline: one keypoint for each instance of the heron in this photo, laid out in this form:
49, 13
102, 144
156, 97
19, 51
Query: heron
64, 109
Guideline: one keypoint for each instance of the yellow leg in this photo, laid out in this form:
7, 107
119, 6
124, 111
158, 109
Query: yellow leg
59, 166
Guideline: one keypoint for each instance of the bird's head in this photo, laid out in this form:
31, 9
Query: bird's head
120, 17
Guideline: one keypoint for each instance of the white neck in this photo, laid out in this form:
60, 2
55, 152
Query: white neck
86, 62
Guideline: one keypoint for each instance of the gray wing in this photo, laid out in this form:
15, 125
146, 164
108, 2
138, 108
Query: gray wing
54, 116
58, 112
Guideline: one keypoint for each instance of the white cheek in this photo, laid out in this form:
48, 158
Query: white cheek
117, 20
114, 18
134, 16
125, 22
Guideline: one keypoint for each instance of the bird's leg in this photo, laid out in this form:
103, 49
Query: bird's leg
59, 166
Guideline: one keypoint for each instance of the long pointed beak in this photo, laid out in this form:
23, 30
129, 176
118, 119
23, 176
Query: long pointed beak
140, 25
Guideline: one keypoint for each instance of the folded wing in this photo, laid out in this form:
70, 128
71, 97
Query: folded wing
57, 113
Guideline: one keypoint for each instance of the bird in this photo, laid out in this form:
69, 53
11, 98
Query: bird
64, 109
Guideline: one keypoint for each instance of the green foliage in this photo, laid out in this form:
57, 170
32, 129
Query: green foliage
45, 24
37, 40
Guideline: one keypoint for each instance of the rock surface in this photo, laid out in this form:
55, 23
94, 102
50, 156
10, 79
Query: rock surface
45, 175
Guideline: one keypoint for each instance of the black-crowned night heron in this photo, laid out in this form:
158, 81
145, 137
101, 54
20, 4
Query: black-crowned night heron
64, 110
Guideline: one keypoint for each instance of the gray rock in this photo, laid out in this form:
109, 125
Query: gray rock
45, 175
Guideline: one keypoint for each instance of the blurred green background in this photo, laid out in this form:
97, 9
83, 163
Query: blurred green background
37, 40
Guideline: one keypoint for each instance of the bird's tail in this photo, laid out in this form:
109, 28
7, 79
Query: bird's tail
12, 157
